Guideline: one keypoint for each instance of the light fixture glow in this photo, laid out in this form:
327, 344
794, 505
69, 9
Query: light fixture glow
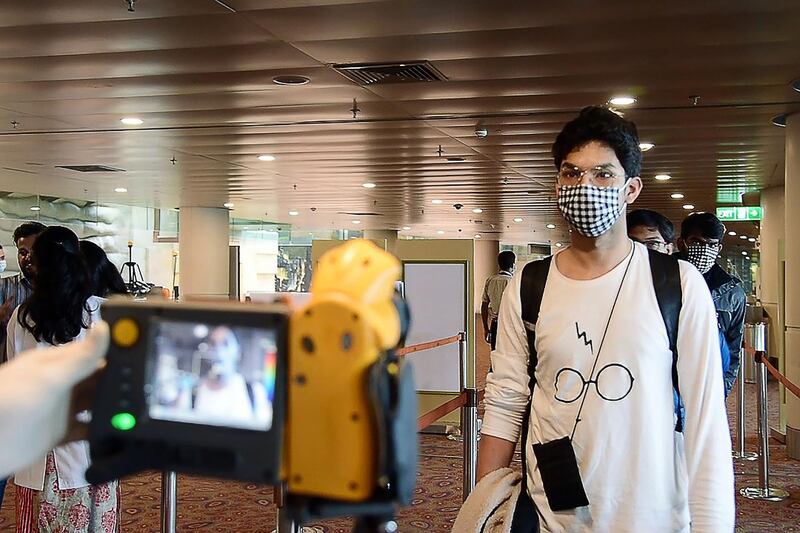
228, 205
517, 219
293, 213
663, 177
356, 222
551, 226
120, 189
406, 228
752, 239
36, 208
440, 232
266, 157
436, 202
688, 207
676, 195
646, 146
743, 237
368, 185
622, 100
732, 233
477, 235
744, 252
132, 121
477, 210
559, 245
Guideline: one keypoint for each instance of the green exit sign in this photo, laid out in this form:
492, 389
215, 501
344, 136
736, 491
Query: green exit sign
739, 213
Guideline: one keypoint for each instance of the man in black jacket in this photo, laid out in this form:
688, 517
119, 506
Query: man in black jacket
700, 243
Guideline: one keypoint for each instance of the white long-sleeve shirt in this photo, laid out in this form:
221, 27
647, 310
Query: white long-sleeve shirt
638, 473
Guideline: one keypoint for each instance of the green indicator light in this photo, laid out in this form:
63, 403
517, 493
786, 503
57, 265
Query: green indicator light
123, 421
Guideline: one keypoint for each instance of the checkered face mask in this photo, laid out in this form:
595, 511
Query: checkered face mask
591, 210
702, 256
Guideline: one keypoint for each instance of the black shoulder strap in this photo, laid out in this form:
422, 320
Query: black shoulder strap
667, 284
534, 279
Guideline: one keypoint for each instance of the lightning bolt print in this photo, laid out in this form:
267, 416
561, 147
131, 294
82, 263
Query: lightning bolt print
582, 335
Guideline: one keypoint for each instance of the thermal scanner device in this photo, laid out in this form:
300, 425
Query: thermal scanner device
312, 399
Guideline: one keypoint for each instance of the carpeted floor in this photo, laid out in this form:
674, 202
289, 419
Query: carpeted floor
216, 506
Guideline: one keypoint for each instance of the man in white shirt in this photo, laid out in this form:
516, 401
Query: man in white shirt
603, 392
493, 294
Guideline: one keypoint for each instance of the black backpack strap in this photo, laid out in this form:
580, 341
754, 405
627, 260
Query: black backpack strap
532, 283
667, 284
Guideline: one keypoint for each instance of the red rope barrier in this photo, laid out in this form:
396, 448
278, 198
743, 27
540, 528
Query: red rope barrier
427, 345
794, 389
446, 408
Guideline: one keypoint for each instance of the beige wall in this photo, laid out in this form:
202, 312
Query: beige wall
772, 235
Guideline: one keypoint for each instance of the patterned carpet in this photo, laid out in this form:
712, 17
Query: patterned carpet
215, 506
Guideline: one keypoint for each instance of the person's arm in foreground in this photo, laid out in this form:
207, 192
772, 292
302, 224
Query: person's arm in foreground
706, 433
41, 391
506, 387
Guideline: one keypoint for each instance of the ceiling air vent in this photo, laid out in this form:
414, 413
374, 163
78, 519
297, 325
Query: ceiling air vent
373, 73
360, 214
90, 168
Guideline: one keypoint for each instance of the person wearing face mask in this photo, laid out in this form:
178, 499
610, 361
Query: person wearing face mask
700, 243
493, 294
586, 368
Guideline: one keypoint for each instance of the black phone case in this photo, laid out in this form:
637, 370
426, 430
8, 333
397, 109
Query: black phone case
561, 478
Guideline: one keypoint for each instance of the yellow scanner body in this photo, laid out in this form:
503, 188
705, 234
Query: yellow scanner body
331, 448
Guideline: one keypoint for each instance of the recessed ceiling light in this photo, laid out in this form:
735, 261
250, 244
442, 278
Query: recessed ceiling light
368, 185
780, 120
477, 210
36, 208
743, 237
752, 239
477, 235
559, 245
440, 232
266, 157
120, 189
744, 252
132, 121
646, 146
732, 233
517, 219
293, 213
688, 207
228, 205
436, 202
551, 226
676, 195
356, 222
663, 177
406, 228
291, 80
622, 100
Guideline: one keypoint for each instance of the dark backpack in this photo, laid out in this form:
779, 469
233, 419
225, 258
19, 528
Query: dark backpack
667, 285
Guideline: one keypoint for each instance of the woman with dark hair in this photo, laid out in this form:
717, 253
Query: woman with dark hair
104, 277
53, 494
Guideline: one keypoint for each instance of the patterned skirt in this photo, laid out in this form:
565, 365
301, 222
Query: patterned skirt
93, 509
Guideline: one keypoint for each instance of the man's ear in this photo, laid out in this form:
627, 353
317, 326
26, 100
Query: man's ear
634, 190
681, 244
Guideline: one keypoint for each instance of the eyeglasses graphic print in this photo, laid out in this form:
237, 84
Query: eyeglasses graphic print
613, 383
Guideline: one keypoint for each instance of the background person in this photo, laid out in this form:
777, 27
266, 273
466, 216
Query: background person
700, 243
52, 493
652, 229
493, 294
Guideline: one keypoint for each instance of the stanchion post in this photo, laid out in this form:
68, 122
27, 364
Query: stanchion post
741, 427
764, 491
169, 502
469, 421
285, 523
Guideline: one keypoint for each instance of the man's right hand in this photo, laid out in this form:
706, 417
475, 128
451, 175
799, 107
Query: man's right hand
6, 310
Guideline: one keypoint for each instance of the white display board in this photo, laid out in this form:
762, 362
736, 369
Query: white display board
437, 297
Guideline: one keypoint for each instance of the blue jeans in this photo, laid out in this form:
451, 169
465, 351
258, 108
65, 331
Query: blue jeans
2, 489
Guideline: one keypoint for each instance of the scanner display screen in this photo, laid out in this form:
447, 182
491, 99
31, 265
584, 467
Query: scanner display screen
212, 374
